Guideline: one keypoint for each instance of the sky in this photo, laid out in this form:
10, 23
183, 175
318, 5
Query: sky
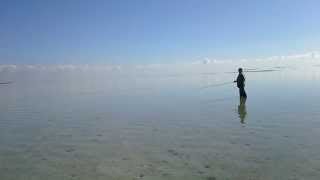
154, 31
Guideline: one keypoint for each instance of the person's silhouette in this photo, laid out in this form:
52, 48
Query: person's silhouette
240, 84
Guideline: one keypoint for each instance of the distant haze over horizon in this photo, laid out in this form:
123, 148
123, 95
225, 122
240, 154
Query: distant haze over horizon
121, 32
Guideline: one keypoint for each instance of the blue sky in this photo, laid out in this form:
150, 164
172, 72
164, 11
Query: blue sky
149, 31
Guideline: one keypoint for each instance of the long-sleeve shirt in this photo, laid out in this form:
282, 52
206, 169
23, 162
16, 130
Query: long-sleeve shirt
240, 81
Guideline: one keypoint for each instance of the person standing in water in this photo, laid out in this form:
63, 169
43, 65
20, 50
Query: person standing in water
240, 84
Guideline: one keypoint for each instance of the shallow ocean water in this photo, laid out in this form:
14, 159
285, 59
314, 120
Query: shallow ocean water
168, 125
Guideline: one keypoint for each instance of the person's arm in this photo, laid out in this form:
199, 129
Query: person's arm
236, 80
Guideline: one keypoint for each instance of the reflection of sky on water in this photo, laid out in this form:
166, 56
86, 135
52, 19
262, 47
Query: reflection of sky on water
161, 121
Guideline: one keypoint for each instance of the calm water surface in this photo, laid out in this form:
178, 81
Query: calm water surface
78, 125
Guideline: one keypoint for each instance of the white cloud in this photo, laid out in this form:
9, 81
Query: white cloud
313, 56
9, 67
304, 56
206, 61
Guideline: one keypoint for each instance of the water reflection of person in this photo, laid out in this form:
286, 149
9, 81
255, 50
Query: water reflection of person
242, 110
241, 83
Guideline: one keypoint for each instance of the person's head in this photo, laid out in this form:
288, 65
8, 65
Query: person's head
240, 70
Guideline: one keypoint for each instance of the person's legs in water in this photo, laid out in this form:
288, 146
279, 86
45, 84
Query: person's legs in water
243, 100
242, 110
242, 93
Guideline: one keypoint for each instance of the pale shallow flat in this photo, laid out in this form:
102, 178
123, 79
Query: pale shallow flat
151, 125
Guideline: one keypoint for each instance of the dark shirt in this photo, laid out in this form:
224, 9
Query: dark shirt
240, 81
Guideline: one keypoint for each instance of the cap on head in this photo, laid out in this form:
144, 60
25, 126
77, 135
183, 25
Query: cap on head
240, 70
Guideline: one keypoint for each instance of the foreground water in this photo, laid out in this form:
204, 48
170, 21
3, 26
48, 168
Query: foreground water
169, 125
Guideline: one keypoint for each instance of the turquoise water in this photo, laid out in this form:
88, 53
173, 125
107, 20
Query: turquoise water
168, 125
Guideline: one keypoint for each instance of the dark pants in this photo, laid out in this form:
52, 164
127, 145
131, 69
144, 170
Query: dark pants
242, 92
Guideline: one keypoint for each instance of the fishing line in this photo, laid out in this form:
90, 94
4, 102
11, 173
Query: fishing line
216, 85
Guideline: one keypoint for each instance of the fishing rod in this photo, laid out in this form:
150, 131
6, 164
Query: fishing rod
5, 83
217, 85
